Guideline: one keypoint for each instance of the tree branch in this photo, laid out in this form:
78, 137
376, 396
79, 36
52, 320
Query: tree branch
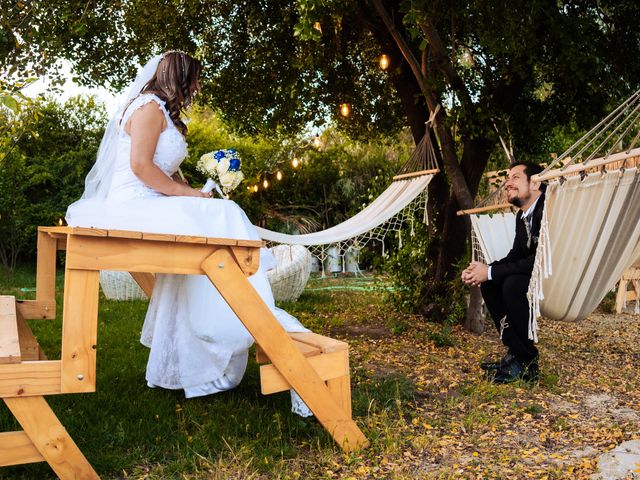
450, 159
404, 48
441, 60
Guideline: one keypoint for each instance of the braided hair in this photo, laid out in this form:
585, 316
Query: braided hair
175, 82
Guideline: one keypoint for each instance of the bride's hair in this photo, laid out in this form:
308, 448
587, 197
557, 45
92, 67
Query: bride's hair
175, 82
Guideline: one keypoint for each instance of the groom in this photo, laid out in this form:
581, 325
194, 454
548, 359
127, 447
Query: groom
505, 282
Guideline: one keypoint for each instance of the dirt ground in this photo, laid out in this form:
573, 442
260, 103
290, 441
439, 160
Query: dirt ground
458, 425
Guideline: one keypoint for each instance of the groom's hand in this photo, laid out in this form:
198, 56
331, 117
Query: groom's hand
475, 274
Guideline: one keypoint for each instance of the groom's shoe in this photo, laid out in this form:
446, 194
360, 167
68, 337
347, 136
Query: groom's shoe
517, 370
493, 367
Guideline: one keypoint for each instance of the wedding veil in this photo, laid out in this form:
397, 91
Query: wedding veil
98, 181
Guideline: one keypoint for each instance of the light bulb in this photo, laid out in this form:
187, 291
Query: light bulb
295, 162
265, 183
317, 26
317, 142
279, 175
384, 61
255, 188
345, 109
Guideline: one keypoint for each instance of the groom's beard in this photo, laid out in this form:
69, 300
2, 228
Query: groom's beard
516, 202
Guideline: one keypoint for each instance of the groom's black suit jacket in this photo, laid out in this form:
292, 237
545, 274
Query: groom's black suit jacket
520, 258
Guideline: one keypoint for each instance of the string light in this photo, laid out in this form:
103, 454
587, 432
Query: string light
60, 222
316, 141
345, 109
255, 188
384, 61
279, 175
295, 162
317, 26
265, 183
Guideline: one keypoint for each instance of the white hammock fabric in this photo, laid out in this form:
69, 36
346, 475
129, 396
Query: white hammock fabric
590, 235
492, 236
386, 213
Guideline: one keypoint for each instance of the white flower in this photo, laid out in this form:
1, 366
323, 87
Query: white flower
227, 179
223, 166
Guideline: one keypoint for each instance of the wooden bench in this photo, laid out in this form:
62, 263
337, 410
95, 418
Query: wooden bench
630, 278
316, 367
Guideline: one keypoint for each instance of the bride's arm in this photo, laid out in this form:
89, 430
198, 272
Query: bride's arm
144, 128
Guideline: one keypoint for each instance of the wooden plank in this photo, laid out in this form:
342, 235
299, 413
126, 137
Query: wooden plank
488, 208
340, 387
59, 230
229, 280
248, 258
221, 241
145, 280
9, 340
621, 295
124, 234
61, 243
326, 365
326, 344
30, 378
577, 168
17, 449
632, 273
29, 346
419, 173
51, 438
79, 329
305, 349
190, 239
159, 237
34, 309
46, 273
251, 243
140, 256
89, 231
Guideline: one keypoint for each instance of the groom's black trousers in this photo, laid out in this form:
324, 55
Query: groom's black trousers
509, 297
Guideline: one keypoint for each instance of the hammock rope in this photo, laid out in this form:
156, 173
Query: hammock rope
389, 212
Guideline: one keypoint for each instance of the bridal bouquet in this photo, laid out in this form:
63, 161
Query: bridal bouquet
221, 166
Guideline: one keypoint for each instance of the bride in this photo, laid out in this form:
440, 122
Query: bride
196, 342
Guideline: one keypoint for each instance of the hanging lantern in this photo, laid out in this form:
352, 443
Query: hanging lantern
295, 162
384, 61
265, 183
279, 175
345, 109
317, 26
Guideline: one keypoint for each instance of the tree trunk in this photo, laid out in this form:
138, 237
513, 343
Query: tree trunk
474, 319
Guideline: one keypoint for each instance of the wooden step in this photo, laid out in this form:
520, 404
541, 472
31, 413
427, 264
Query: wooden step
9, 340
328, 357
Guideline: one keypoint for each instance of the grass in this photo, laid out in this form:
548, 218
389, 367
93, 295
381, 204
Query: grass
126, 427
418, 395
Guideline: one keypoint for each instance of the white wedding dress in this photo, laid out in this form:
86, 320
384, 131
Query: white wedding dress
196, 341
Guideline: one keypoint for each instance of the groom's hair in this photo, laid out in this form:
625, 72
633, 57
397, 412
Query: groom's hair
531, 169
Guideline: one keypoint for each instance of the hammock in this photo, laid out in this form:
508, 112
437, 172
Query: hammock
590, 232
388, 212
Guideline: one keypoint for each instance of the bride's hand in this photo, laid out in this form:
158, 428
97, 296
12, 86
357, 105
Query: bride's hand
192, 192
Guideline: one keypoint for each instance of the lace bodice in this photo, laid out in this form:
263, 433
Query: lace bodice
171, 150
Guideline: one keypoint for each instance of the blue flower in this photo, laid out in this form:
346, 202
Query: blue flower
231, 150
234, 164
219, 155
